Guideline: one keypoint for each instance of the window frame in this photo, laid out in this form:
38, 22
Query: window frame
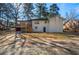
36, 22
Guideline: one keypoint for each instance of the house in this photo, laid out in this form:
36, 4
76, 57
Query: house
54, 24
2, 26
24, 25
71, 25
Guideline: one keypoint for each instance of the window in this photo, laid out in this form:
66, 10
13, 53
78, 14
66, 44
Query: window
36, 27
46, 21
18, 22
37, 22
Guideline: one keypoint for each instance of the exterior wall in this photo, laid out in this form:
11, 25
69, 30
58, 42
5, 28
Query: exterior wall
22, 25
29, 27
25, 26
55, 25
39, 26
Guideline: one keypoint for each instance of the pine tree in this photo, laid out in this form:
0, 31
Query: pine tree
41, 10
54, 10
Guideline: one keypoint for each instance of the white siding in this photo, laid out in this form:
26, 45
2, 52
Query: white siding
39, 26
55, 24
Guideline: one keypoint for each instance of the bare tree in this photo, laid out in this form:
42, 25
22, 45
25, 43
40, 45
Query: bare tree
5, 12
71, 15
28, 10
10, 11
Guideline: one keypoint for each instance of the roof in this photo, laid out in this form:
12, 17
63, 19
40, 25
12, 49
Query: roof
42, 19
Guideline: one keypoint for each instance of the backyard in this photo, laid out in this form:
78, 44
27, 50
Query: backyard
40, 44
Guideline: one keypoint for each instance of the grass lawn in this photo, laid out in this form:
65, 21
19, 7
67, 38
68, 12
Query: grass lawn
40, 44
51, 43
52, 36
63, 43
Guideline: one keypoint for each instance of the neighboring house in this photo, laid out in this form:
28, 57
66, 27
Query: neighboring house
2, 26
71, 26
54, 24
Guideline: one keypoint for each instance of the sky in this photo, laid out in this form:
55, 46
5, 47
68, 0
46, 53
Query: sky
68, 7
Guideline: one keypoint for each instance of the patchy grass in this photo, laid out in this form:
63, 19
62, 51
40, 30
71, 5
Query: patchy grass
40, 44
51, 43
2, 33
60, 36
48, 37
